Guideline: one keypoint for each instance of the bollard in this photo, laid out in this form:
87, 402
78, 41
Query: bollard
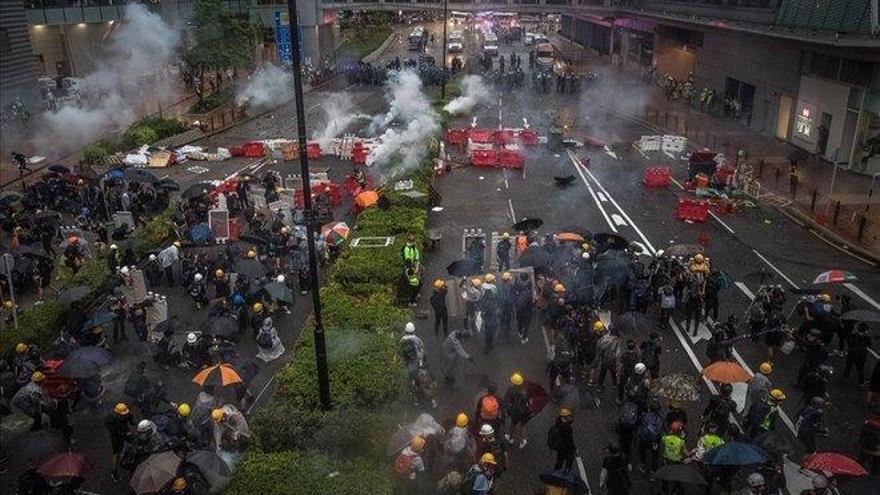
863, 220
836, 212
813, 201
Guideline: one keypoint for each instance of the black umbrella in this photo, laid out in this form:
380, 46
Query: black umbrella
463, 268
527, 224
606, 241
775, 443
140, 175
250, 268
253, 239
213, 467
858, 485
569, 480
167, 185
219, 326
38, 445
536, 257
85, 362
9, 197
682, 473
60, 169
564, 181
861, 315
74, 294
279, 292
197, 190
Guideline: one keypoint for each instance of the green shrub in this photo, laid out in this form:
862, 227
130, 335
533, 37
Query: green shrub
163, 127
298, 473
364, 40
38, 324
396, 221
369, 266
97, 154
138, 135
155, 234
212, 102
375, 311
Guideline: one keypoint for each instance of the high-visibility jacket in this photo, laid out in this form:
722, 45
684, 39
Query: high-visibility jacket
411, 254
413, 280
672, 447
711, 440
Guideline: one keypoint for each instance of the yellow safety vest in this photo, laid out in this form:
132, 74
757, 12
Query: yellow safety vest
672, 445
411, 253
710, 441
414, 280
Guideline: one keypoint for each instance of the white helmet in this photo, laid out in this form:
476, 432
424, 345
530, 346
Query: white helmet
756, 480
585, 255
198, 277
280, 279
114, 247
124, 270
409, 328
152, 257
640, 368
146, 425
191, 338
486, 430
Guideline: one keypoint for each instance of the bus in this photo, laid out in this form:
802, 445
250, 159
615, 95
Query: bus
544, 55
459, 17
490, 44
418, 38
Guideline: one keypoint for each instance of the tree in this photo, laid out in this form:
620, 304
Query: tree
222, 41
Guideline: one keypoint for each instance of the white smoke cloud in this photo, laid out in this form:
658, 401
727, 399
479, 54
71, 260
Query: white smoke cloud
269, 85
473, 92
339, 114
407, 103
132, 72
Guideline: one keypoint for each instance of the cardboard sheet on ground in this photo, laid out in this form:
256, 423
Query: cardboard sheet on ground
160, 159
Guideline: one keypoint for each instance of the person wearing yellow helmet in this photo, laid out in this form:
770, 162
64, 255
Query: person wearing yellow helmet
183, 410
472, 293
180, 486
251, 254
506, 302
409, 464
119, 424
517, 410
438, 305
763, 413
461, 420
490, 278
502, 252
21, 348
759, 385
598, 326
217, 415
7, 304
560, 438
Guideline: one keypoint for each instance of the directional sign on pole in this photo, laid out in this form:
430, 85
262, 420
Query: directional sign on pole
282, 37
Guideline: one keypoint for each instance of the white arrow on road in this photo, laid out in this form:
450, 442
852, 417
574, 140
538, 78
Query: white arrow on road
703, 333
525, 123
474, 122
618, 220
611, 153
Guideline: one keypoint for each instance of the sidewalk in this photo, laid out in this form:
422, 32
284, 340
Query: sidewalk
844, 212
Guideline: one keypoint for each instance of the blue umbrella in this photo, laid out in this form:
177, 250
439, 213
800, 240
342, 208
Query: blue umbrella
201, 233
734, 454
116, 173
99, 319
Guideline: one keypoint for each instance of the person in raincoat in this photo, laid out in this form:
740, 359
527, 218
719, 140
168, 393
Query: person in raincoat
230, 429
268, 343
471, 293
458, 446
452, 350
481, 476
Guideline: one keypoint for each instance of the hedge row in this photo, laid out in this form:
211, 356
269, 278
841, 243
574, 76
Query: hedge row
363, 324
145, 131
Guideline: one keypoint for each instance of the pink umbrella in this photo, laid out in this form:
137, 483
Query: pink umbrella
834, 277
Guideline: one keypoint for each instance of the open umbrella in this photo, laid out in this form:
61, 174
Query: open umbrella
59, 169
215, 470
9, 197
74, 294
538, 397
734, 454
775, 443
279, 292
99, 319
140, 175
861, 485
85, 362
167, 185
463, 268
527, 224
220, 374
219, 326
250, 268
861, 315
681, 473
335, 232
683, 249
834, 277
536, 257
726, 372
253, 239
834, 463
570, 236
680, 387
38, 445
155, 472
606, 241
424, 426
568, 479
197, 190
65, 465
366, 199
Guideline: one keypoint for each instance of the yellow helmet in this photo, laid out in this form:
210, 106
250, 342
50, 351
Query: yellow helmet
285, 230
121, 409
490, 278
179, 484
417, 444
777, 394
477, 282
7, 304
565, 412
439, 283
21, 348
698, 258
765, 368
559, 288
506, 276
38, 376
251, 254
516, 379
217, 415
183, 410
461, 420
488, 458
598, 326
176, 243
505, 236
585, 246
825, 298
258, 307
219, 273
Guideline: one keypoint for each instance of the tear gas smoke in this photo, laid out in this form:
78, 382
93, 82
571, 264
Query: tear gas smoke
270, 84
611, 91
473, 92
407, 103
131, 72
339, 114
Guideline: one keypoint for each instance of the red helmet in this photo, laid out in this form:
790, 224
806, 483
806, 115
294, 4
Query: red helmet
676, 426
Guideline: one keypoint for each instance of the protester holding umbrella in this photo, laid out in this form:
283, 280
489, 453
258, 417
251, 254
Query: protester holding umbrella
859, 343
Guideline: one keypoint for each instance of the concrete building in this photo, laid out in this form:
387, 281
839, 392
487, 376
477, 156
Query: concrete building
17, 71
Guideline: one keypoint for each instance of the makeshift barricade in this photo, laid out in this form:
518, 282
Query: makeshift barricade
656, 177
484, 158
503, 136
254, 149
695, 211
313, 151
510, 159
480, 135
456, 136
359, 155
528, 137
318, 189
236, 150
236, 227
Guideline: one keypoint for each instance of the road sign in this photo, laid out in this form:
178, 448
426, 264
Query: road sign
283, 49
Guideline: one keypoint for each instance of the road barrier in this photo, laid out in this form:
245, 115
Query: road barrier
656, 177
692, 210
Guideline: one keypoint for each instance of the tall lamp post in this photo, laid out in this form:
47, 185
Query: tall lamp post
445, 21
308, 213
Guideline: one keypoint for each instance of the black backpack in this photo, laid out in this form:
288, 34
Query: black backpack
264, 340
651, 427
629, 415
408, 350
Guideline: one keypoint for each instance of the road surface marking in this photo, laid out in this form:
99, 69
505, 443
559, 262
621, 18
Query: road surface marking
841, 249
602, 197
745, 289
592, 193
525, 123
474, 122
610, 153
510, 207
690, 353
713, 215
618, 220
583, 472
862, 294
703, 333
777, 270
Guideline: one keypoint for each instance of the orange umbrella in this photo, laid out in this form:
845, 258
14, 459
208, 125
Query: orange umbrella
726, 372
220, 374
570, 236
366, 198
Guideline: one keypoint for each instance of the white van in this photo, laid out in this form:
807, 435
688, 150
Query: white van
455, 42
490, 44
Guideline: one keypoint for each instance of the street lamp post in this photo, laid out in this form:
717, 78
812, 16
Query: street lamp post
308, 212
445, 21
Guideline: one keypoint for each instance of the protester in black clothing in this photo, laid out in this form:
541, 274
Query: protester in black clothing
119, 424
859, 343
615, 472
438, 304
524, 304
560, 439
59, 414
